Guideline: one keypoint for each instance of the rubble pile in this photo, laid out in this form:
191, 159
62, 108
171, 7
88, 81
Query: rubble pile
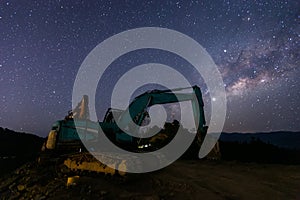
30, 182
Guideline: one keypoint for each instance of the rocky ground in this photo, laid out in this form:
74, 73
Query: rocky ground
181, 180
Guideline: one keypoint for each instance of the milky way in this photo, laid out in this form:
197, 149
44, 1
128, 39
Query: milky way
254, 44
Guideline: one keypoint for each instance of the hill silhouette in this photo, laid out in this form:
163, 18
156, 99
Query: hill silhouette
282, 139
280, 147
17, 149
258, 151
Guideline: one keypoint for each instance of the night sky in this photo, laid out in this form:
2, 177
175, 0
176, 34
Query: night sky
255, 45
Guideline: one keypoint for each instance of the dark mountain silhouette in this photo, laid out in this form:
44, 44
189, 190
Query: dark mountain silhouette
17, 149
280, 147
259, 152
282, 139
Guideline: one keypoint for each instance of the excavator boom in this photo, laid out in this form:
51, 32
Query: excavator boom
148, 99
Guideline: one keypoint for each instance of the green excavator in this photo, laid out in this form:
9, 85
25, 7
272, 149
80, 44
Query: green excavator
65, 140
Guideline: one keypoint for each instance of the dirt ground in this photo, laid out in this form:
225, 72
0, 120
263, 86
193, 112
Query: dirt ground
181, 180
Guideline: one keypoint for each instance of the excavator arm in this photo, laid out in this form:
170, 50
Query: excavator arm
137, 112
139, 105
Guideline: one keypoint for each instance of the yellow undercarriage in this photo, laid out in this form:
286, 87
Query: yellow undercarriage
87, 162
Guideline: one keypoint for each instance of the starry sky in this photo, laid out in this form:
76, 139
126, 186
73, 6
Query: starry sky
255, 45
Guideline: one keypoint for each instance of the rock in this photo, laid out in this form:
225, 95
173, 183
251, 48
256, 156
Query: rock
11, 186
21, 187
39, 197
103, 193
15, 195
82, 190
